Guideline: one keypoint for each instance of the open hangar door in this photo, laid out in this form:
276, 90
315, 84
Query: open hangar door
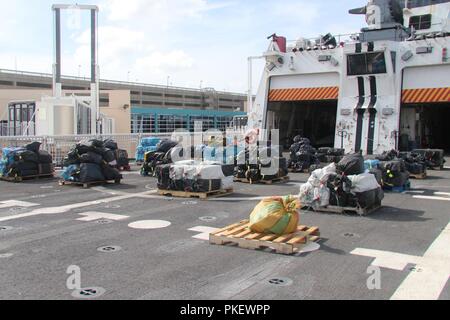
425, 112
304, 105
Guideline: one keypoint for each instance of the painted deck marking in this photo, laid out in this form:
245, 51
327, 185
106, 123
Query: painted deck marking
14, 203
442, 194
434, 265
93, 216
204, 232
67, 208
431, 198
150, 224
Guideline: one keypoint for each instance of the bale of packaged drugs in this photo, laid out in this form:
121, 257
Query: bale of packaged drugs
394, 173
194, 176
433, 158
91, 161
351, 165
302, 154
27, 161
277, 215
146, 145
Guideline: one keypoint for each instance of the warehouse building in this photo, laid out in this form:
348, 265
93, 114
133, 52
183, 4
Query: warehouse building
150, 108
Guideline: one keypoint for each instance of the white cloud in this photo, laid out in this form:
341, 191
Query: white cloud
156, 12
170, 61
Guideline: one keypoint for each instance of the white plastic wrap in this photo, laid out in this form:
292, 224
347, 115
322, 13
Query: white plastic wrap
320, 176
227, 183
210, 172
177, 172
307, 194
315, 193
363, 183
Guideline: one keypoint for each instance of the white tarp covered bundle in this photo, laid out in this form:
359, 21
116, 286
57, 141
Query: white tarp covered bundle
196, 170
363, 182
315, 193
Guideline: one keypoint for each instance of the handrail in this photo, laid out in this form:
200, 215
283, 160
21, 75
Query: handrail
140, 84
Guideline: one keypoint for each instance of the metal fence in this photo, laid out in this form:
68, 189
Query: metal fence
59, 146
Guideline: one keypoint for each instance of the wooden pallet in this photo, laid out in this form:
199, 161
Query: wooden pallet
267, 182
342, 210
420, 176
239, 234
198, 195
28, 178
87, 185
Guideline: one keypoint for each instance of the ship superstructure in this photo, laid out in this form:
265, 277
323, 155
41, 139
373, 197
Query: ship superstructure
387, 87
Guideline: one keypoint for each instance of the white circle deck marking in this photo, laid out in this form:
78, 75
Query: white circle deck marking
311, 247
149, 224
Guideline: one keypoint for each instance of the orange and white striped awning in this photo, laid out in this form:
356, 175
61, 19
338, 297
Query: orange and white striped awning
430, 95
304, 94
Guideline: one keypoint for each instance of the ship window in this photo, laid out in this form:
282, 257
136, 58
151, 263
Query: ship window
420, 22
423, 3
366, 63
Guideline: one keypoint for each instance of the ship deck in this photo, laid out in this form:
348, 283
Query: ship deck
162, 249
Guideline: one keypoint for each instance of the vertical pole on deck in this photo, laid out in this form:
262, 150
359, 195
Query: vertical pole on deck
95, 95
57, 87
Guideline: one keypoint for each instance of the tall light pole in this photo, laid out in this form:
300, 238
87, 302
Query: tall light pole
95, 72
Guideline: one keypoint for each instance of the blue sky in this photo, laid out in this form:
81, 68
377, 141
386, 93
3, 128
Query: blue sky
190, 41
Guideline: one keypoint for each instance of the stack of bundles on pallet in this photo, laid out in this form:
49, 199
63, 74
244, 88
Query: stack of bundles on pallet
261, 164
162, 154
434, 158
394, 173
411, 162
303, 155
146, 145
90, 161
195, 176
26, 161
330, 155
415, 163
344, 185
